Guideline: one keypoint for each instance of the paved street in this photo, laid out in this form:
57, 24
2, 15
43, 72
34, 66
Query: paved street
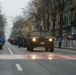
19, 61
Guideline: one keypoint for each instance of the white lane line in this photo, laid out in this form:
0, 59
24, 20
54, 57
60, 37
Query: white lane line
10, 51
69, 57
19, 67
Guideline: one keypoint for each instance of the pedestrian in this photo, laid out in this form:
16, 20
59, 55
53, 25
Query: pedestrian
2, 41
60, 41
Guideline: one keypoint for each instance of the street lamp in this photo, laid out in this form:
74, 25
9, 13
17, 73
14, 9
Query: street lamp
23, 12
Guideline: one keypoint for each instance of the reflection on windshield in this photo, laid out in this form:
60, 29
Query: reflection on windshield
35, 34
44, 34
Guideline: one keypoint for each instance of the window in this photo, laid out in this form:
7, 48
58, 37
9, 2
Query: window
69, 19
64, 19
75, 16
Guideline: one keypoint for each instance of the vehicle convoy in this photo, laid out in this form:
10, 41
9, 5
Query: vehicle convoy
18, 41
40, 39
21, 41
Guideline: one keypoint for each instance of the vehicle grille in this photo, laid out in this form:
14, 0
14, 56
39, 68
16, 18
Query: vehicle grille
42, 39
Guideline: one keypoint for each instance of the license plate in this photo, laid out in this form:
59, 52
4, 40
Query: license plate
42, 42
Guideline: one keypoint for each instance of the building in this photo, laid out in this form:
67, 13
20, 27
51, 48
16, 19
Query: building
67, 17
73, 22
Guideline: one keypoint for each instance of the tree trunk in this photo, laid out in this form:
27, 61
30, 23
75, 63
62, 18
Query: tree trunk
53, 27
61, 23
48, 23
44, 24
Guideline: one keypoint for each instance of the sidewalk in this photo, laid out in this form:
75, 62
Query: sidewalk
70, 44
65, 49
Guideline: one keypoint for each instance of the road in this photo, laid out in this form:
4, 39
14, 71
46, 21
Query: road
19, 61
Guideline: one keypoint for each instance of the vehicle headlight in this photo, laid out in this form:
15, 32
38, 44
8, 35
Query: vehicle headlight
50, 40
34, 39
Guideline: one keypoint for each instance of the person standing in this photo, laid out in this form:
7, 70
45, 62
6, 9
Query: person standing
60, 41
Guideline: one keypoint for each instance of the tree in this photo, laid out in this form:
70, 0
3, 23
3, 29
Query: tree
2, 23
43, 10
61, 5
17, 26
39, 11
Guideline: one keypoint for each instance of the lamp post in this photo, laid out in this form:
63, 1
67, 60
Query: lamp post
24, 13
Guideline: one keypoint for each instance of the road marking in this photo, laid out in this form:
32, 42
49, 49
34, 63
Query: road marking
69, 57
19, 67
10, 51
38, 56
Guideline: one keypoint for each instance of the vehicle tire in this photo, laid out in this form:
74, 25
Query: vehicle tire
19, 46
27, 48
51, 49
31, 48
46, 49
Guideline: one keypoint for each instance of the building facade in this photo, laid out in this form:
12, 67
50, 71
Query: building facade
69, 19
73, 22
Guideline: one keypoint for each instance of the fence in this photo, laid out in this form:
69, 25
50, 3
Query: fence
69, 44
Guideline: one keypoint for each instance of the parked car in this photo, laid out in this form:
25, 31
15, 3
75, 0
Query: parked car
40, 39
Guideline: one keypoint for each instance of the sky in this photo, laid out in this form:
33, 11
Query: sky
12, 8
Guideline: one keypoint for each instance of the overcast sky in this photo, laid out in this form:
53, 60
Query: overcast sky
12, 8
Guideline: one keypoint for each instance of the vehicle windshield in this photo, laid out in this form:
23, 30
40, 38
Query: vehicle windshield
45, 34
37, 34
